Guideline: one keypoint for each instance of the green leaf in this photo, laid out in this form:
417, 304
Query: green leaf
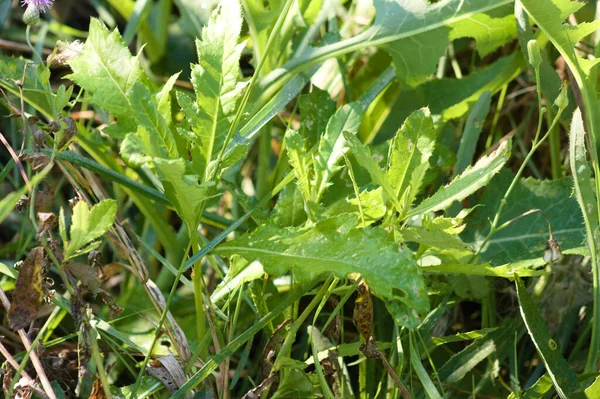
564, 379
290, 207
525, 239
107, 71
470, 136
411, 147
215, 80
300, 161
163, 99
467, 183
490, 30
332, 145
133, 151
316, 108
182, 190
331, 247
434, 238
88, 225
362, 153
156, 136
584, 193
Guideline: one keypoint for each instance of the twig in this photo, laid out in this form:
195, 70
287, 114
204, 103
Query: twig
14, 156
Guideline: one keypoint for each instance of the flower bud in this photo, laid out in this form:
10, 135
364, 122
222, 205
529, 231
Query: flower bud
535, 53
31, 16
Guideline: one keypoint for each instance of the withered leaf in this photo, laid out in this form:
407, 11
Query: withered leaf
363, 310
44, 199
28, 292
47, 222
97, 390
115, 309
37, 160
87, 274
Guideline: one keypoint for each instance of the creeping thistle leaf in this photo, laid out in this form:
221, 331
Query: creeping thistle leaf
163, 99
133, 151
215, 81
28, 292
563, 377
298, 158
316, 109
156, 136
363, 155
182, 190
411, 147
525, 239
332, 145
582, 180
333, 246
87, 225
467, 183
107, 71
490, 30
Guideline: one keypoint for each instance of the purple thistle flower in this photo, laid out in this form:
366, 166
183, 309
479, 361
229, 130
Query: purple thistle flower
42, 5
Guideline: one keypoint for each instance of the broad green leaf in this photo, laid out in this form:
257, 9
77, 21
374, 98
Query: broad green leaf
332, 246
88, 225
525, 239
332, 145
362, 153
290, 207
490, 30
582, 182
7, 204
468, 140
133, 151
182, 190
467, 183
216, 83
564, 379
156, 136
316, 108
411, 147
107, 71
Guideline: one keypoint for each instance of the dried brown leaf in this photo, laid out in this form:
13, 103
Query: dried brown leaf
363, 310
28, 292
